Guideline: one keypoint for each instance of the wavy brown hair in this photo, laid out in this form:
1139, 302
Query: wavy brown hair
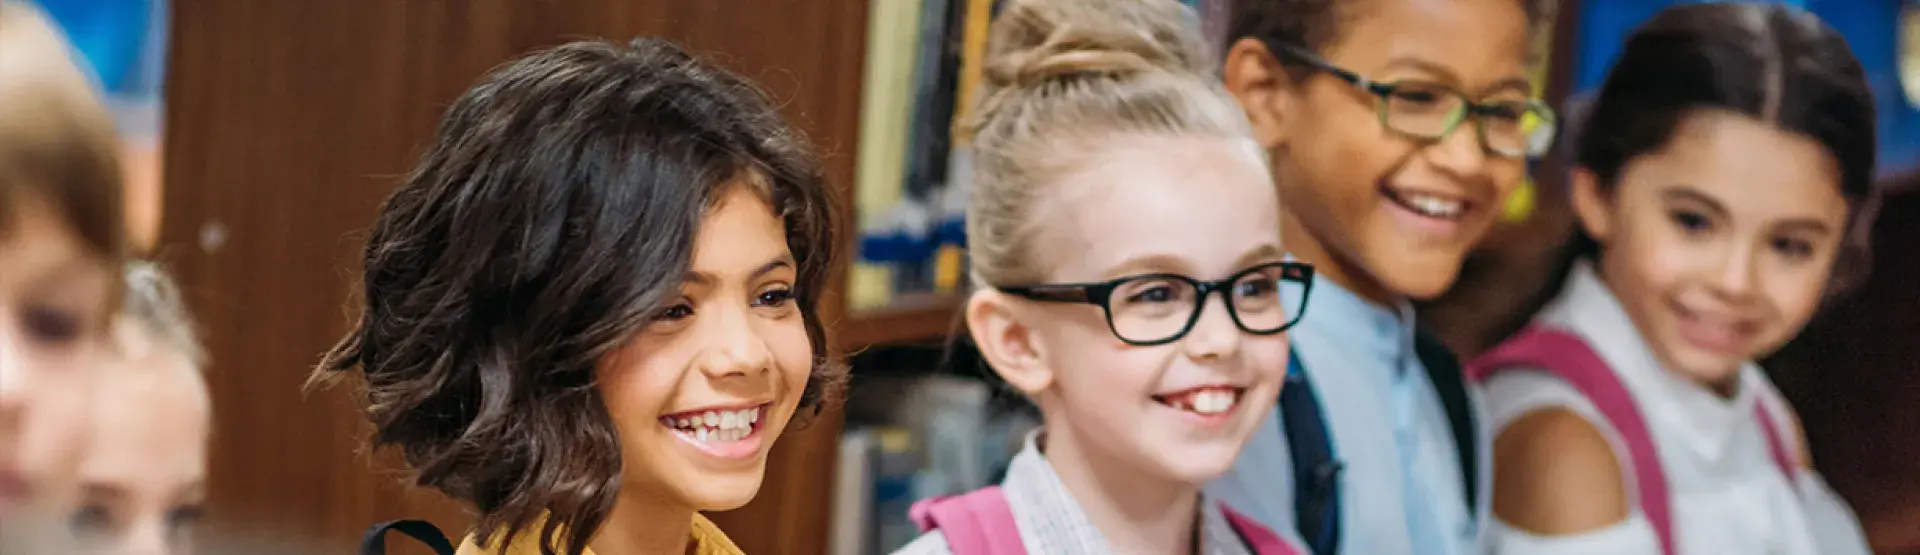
552, 216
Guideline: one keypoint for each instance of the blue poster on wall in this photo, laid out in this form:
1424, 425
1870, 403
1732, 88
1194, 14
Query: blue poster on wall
122, 43
1871, 27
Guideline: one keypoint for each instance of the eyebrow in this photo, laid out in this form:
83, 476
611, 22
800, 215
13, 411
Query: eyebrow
1259, 254
1683, 193
61, 274
106, 492
1809, 225
1153, 263
1511, 83
704, 278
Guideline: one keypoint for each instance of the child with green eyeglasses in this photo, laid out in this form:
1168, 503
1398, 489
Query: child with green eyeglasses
1395, 130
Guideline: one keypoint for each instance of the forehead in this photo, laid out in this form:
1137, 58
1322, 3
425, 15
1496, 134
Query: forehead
1750, 166
36, 240
152, 422
1206, 201
1479, 40
741, 228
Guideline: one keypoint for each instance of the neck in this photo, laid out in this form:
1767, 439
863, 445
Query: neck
640, 524
1137, 511
1328, 265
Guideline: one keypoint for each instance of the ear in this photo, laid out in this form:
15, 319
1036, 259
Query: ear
1008, 345
1591, 203
1260, 82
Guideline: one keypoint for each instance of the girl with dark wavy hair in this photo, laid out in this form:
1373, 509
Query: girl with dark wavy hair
592, 307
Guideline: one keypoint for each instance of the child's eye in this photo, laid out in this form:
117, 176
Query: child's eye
90, 522
674, 313
50, 325
1692, 222
1793, 248
1157, 293
776, 297
182, 520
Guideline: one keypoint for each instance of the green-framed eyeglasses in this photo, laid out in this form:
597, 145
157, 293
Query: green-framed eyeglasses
1518, 128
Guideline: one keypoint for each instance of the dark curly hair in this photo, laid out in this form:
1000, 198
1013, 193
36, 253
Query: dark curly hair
551, 218
1313, 24
1775, 63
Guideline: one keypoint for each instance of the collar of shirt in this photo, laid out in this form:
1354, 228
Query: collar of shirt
1052, 521
1704, 421
1359, 326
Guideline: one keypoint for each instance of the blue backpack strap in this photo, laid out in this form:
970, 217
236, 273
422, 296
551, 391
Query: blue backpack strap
375, 540
1316, 471
1443, 369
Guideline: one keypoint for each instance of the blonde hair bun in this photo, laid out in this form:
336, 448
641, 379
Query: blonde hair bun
1036, 42
1062, 76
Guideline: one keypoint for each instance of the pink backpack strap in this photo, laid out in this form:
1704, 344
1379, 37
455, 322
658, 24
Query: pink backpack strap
1260, 540
1568, 357
1783, 457
975, 523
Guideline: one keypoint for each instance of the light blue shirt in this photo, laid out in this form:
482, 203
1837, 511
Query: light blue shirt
1401, 488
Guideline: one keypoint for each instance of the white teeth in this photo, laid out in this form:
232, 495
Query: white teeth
716, 426
1212, 401
1432, 206
1206, 402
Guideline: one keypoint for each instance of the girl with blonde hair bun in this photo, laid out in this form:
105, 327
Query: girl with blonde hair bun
1117, 190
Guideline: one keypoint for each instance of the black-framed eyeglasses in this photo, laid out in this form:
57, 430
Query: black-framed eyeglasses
1424, 110
1155, 309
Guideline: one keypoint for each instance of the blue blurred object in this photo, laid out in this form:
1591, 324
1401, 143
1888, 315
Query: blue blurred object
112, 35
1870, 26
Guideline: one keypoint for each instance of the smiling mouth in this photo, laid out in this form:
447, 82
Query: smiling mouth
1425, 204
1204, 401
716, 426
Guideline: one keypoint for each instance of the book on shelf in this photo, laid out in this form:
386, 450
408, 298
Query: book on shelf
925, 437
924, 68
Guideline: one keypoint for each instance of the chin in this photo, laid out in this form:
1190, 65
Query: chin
1419, 276
723, 493
1200, 465
1703, 367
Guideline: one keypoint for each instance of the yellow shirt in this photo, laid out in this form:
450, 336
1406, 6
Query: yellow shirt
707, 539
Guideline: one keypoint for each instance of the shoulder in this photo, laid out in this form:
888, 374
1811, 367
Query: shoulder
1555, 473
931, 543
708, 539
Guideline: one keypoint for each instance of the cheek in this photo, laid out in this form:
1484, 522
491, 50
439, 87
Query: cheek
1649, 251
1796, 294
635, 388
792, 351
1337, 145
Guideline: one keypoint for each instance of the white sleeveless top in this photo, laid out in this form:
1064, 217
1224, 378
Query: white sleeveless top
1728, 494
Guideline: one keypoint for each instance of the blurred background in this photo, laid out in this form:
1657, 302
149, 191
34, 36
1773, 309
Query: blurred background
263, 135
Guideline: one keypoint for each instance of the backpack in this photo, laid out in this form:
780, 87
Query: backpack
1316, 468
981, 523
1569, 358
375, 540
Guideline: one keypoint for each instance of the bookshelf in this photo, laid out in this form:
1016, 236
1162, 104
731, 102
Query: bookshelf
912, 318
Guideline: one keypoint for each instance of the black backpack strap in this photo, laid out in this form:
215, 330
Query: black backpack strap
375, 541
1316, 471
1443, 369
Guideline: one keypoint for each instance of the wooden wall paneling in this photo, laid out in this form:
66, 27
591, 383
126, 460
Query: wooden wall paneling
1853, 375
289, 122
